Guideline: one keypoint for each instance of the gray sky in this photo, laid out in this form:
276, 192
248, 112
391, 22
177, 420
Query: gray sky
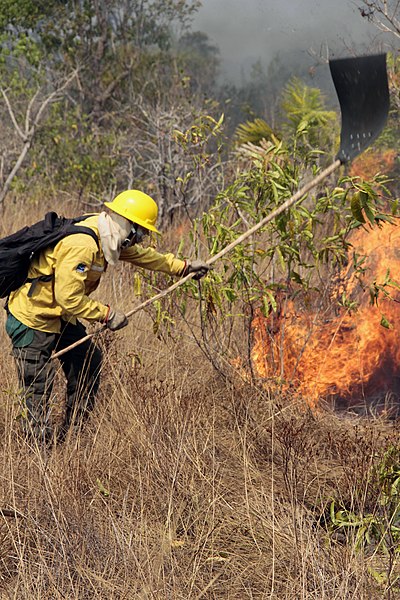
248, 30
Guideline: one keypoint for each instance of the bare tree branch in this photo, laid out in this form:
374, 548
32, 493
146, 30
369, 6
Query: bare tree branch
15, 169
379, 12
53, 97
12, 116
28, 112
31, 124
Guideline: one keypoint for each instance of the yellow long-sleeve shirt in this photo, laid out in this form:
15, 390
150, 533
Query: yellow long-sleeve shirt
75, 265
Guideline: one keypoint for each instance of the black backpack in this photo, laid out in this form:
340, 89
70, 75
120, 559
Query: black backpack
18, 250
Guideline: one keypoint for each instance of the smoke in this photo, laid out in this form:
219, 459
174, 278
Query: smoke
299, 31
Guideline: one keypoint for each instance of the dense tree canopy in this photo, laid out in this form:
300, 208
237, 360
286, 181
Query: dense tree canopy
93, 93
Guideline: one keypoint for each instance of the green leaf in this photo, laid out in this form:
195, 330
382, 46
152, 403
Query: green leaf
103, 491
137, 284
356, 208
296, 277
268, 302
385, 323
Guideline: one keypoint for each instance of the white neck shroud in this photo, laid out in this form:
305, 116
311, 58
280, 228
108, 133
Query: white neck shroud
113, 230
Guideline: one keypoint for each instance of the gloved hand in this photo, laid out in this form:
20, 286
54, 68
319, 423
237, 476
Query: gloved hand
116, 320
196, 266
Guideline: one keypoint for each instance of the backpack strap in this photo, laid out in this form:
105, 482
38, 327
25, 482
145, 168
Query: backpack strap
35, 280
73, 229
70, 230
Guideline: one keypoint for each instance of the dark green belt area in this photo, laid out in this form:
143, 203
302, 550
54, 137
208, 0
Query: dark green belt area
20, 334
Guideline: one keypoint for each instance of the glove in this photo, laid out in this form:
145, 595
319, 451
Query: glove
116, 319
196, 266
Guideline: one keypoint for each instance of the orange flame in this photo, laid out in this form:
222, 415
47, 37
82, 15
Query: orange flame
348, 357
369, 163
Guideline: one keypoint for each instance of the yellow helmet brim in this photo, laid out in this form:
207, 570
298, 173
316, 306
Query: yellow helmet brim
137, 220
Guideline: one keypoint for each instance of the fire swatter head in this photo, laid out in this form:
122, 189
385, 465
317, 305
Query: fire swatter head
362, 88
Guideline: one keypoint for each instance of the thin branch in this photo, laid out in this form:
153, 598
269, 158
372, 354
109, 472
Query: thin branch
15, 169
28, 113
30, 127
53, 97
13, 119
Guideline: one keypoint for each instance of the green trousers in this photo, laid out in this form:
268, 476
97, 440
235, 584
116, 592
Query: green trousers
36, 371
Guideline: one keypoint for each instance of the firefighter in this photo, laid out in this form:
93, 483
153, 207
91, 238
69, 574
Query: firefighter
44, 316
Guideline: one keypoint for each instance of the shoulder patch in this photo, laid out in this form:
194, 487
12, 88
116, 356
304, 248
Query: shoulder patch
81, 268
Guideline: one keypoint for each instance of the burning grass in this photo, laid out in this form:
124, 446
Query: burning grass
187, 485
349, 356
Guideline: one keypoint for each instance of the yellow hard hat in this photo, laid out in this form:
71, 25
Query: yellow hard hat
137, 207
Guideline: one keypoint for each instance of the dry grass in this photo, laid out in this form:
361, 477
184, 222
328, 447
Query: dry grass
183, 486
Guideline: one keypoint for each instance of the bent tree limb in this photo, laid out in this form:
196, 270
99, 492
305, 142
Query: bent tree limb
32, 119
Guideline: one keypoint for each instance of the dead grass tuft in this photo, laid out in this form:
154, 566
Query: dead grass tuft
184, 485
